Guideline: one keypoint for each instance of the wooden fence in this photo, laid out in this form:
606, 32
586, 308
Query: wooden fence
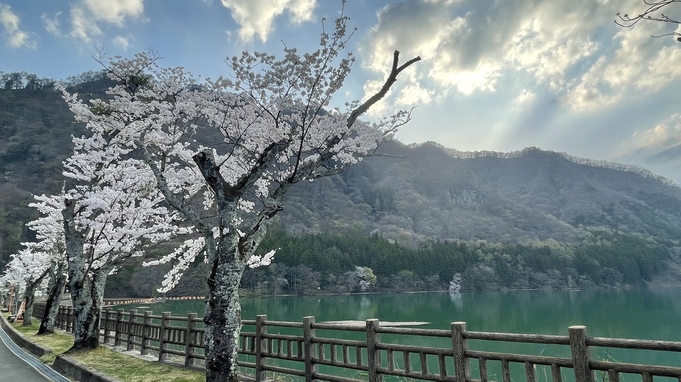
311, 357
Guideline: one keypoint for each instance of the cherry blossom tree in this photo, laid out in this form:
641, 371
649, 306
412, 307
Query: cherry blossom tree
27, 269
11, 284
49, 230
112, 212
40, 259
223, 154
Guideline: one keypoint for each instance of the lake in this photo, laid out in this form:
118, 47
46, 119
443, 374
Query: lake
646, 313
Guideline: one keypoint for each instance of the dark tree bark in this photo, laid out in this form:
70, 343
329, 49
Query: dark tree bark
87, 305
223, 314
55, 293
29, 297
85, 284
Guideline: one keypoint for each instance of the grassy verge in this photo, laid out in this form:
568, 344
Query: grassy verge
110, 362
59, 342
128, 368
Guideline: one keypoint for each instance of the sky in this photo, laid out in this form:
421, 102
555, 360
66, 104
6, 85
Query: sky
495, 75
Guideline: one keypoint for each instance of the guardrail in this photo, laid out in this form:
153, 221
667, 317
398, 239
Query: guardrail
262, 352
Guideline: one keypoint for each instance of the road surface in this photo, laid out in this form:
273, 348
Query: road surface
17, 365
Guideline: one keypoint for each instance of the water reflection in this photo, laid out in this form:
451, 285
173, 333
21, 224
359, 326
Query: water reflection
456, 299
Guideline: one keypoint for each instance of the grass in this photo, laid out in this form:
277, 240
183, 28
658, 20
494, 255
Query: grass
128, 368
59, 342
109, 362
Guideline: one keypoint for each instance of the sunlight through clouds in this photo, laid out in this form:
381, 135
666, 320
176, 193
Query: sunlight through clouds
640, 63
470, 46
494, 75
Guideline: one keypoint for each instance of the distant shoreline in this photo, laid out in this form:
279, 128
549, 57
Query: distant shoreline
109, 302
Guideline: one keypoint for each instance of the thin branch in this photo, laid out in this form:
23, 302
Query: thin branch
169, 196
650, 14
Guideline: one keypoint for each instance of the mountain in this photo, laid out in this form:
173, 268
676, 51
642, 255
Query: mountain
410, 194
427, 192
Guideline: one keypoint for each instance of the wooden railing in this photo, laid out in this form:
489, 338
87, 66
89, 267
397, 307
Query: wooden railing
301, 352
163, 334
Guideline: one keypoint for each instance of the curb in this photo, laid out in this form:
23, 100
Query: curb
32, 347
62, 364
76, 370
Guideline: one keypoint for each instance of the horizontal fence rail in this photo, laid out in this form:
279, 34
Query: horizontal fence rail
301, 352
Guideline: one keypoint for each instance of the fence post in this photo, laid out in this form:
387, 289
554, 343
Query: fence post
189, 340
60, 314
146, 329
131, 330
162, 355
65, 319
260, 330
461, 365
374, 356
70, 318
104, 324
310, 353
118, 326
580, 354
38, 310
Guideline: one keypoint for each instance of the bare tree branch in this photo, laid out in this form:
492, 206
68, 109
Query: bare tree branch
650, 14
361, 109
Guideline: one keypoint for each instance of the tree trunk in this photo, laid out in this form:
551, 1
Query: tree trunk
85, 284
29, 297
87, 306
54, 295
223, 315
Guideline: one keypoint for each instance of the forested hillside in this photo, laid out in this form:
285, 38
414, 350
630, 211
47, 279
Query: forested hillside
36, 128
415, 215
332, 263
416, 193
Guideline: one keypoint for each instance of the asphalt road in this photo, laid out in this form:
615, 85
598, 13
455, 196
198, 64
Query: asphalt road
17, 365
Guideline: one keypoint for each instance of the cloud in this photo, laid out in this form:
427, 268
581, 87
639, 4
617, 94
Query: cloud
121, 42
88, 14
256, 17
52, 24
83, 27
114, 11
413, 94
640, 63
661, 144
526, 97
16, 37
572, 48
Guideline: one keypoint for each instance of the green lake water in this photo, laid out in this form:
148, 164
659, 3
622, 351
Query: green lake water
621, 313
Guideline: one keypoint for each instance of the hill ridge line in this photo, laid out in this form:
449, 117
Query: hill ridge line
458, 154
